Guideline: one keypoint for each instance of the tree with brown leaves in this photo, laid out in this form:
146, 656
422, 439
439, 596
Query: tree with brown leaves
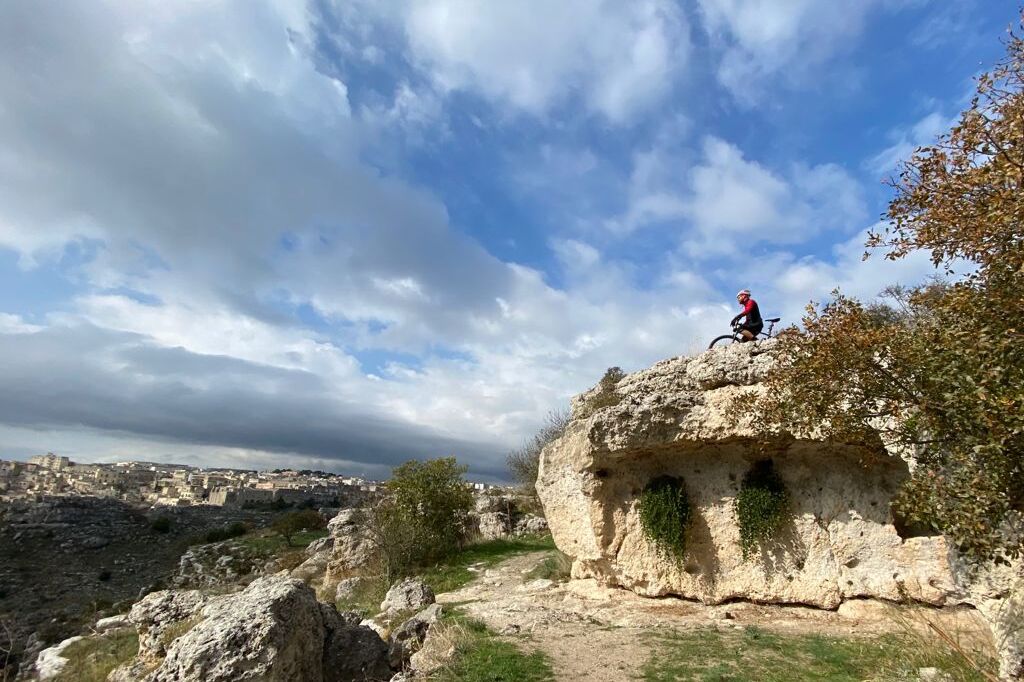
938, 371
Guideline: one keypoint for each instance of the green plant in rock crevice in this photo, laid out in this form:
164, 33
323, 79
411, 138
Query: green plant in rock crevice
665, 514
761, 506
605, 396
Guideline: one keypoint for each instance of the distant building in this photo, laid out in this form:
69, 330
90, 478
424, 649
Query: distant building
51, 461
236, 497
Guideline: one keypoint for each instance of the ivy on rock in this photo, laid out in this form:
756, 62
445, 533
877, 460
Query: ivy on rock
761, 506
665, 514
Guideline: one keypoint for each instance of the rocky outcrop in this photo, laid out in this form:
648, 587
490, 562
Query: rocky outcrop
503, 515
411, 594
407, 639
672, 419
997, 590
273, 631
51, 662
679, 418
351, 547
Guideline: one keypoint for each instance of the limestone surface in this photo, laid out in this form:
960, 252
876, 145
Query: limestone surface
839, 543
274, 630
411, 594
351, 547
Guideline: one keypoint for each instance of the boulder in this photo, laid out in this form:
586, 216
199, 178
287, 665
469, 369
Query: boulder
320, 545
352, 549
274, 630
493, 524
50, 662
411, 594
531, 524
112, 623
672, 419
348, 587
408, 637
351, 651
158, 611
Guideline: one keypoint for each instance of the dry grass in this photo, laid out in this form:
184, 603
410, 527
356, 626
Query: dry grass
91, 659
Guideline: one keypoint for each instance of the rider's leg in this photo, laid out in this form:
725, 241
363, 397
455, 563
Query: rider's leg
746, 335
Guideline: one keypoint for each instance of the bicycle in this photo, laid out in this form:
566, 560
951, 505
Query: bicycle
736, 336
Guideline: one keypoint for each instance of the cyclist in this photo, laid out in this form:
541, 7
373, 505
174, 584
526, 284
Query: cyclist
753, 324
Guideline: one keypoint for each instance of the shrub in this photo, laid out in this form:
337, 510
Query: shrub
606, 395
524, 463
161, 524
423, 518
235, 530
761, 506
665, 514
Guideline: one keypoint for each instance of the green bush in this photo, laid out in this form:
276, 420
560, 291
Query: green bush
235, 530
606, 395
665, 514
422, 518
761, 506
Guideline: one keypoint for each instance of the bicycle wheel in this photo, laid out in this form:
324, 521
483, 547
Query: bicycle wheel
721, 339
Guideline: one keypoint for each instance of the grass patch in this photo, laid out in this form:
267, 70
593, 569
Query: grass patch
453, 572
480, 656
272, 543
366, 598
176, 630
556, 566
91, 659
756, 655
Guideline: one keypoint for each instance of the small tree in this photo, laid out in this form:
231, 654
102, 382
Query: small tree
422, 517
294, 523
524, 462
434, 498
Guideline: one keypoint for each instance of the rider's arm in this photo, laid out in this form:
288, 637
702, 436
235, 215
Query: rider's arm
747, 307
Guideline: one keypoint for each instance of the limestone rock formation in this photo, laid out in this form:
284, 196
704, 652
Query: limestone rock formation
51, 662
274, 630
409, 636
411, 594
502, 515
671, 419
351, 547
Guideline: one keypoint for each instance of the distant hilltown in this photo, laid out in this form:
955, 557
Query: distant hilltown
178, 485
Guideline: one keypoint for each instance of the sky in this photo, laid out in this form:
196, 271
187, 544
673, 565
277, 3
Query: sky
341, 234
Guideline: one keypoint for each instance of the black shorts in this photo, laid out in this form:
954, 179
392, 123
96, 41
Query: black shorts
754, 329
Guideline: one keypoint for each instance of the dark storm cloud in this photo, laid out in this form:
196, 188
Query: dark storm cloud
111, 381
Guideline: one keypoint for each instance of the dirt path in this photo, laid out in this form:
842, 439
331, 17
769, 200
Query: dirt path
603, 634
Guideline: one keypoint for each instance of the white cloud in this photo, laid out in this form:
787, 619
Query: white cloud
764, 40
725, 199
620, 57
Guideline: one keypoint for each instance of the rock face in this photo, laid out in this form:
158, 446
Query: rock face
103, 550
411, 594
670, 419
273, 631
502, 515
351, 549
998, 593
51, 662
